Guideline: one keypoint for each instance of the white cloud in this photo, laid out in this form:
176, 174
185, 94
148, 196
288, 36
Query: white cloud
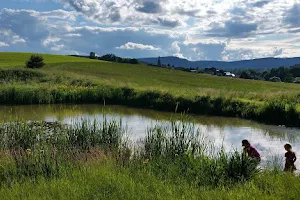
10, 38
175, 48
50, 40
73, 35
57, 47
131, 46
3, 44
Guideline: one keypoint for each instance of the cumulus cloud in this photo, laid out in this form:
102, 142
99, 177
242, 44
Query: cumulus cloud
176, 50
99, 10
10, 38
3, 44
292, 17
168, 22
150, 7
260, 3
232, 29
132, 45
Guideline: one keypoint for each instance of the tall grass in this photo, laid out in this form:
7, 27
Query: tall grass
49, 150
277, 112
181, 152
40, 149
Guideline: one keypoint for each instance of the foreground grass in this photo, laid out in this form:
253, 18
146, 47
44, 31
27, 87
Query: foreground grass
107, 181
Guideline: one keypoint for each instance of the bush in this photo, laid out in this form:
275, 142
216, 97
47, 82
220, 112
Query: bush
20, 75
35, 61
275, 79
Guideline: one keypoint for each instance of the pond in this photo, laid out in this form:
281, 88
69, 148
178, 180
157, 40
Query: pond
226, 132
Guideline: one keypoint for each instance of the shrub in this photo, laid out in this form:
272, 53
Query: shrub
93, 55
35, 61
275, 79
20, 75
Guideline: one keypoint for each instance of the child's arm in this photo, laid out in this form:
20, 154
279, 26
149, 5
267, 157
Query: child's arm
295, 158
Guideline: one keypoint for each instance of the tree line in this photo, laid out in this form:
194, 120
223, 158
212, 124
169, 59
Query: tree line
110, 58
281, 74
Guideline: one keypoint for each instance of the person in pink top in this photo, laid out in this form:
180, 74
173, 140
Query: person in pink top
251, 151
290, 159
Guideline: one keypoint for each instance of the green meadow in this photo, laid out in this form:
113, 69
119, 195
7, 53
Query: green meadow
142, 77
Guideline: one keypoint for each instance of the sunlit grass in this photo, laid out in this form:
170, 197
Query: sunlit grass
9, 59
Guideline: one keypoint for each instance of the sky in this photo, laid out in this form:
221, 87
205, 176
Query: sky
225, 30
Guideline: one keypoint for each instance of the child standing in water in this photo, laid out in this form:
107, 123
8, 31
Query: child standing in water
290, 159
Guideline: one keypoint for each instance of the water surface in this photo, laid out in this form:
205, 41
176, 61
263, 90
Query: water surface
226, 132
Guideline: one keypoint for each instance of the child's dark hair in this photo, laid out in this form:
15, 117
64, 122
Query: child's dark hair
245, 142
288, 146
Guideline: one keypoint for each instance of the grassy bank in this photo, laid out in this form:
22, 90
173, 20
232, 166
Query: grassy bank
95, 161
78, 80
279, 112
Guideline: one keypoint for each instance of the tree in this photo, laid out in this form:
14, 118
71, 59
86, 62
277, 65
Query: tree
35, 61
245, 75
295, 70
158, 62
92, 55
289, 78
133, 61
266, 75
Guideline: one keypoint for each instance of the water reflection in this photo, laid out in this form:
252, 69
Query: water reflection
226, 132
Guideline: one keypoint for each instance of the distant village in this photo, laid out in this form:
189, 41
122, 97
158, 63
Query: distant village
212, 70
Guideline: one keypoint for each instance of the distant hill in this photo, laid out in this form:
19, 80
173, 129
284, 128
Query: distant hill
263, 63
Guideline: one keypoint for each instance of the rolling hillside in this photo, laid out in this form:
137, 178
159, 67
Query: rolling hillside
8, 59
142, 77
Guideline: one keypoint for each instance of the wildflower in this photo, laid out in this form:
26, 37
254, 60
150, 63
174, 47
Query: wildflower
146, 161
28, 151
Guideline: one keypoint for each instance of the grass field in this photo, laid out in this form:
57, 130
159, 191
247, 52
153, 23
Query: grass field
79, 80
143, 77
18, 59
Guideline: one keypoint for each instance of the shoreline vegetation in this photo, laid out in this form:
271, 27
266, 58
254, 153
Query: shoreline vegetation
92, 160
277, 112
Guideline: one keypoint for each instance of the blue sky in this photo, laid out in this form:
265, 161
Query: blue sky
192, 29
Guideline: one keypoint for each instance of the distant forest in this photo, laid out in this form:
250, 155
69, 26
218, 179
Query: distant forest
110, 58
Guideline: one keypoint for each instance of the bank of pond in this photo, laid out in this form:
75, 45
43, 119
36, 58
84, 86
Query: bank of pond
278, 112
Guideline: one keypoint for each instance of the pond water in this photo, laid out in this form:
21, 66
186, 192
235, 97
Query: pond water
226, 132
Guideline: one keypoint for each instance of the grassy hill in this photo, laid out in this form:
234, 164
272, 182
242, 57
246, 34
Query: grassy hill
86, 77
143, 77
8, 59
